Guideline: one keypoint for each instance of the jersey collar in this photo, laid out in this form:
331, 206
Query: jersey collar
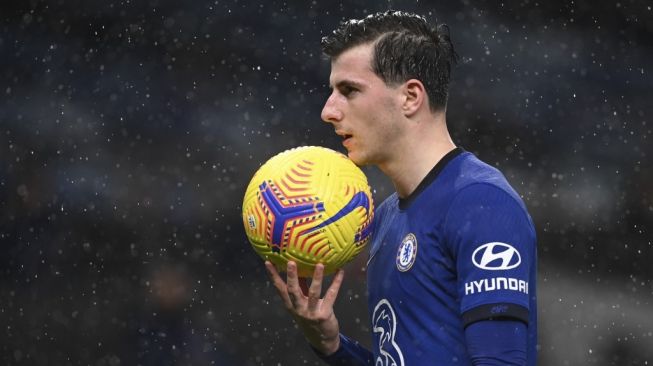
404, 203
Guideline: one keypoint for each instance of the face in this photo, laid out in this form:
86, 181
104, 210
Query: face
364, 111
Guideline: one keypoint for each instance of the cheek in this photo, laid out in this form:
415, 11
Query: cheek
382, 131
388, 116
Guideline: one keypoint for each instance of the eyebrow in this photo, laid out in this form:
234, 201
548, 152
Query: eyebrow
348, 83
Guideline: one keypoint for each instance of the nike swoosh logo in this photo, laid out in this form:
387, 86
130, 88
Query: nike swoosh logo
360, 199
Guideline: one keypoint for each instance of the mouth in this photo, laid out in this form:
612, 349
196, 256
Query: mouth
345, 136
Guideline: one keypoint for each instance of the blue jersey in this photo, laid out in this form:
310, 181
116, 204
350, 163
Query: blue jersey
459, 249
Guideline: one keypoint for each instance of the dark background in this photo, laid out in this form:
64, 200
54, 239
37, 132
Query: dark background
130, 129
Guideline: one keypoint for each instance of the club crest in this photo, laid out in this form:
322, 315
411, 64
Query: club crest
407, 253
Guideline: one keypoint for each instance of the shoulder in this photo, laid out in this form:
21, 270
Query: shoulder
472, 176
476, 188
469, 169
484, 208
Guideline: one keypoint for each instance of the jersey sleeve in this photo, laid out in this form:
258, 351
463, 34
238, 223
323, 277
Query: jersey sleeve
350, 353
492, 242
497, 342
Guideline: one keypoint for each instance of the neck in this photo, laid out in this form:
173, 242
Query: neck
423, 146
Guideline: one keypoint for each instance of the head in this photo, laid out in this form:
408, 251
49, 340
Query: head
405, 47
388, 72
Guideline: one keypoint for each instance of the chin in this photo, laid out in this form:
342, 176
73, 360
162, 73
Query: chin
357, 159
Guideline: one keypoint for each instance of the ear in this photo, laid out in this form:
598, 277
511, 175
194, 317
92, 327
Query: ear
414, 97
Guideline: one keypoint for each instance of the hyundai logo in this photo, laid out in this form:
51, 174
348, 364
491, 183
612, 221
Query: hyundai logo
496, 256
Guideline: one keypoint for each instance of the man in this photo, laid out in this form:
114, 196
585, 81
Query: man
452, 263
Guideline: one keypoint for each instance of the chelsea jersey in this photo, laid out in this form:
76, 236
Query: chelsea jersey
459, 249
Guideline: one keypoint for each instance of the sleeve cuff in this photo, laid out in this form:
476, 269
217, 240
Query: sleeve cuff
350, 352
339, 352
495, 311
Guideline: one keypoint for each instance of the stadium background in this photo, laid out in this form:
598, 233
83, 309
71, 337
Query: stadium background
129, 129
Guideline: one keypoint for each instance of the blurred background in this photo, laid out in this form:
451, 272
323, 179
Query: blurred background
130, 129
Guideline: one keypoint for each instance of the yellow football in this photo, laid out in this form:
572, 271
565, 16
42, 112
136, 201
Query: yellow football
310, 205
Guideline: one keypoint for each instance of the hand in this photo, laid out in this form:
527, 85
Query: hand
313, 314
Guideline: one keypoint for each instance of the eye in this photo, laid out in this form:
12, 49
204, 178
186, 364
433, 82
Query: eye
347, 90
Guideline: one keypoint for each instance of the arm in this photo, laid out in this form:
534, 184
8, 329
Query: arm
493, 243
497, 342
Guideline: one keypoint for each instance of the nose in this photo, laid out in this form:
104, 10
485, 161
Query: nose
330, 112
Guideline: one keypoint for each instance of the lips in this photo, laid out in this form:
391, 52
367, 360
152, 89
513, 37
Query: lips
346, 142
345, 136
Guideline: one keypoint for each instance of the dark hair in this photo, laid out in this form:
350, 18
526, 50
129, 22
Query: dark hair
406, 47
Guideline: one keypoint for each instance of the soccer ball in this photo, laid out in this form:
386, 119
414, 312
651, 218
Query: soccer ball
310, 205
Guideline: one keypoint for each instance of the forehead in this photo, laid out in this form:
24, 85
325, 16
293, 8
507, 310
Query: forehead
354, 64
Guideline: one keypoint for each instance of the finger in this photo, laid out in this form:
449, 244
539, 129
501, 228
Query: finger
278, 283
315, 291
332, 292
292, 283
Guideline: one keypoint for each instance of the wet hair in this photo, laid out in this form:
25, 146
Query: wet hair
405, 47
